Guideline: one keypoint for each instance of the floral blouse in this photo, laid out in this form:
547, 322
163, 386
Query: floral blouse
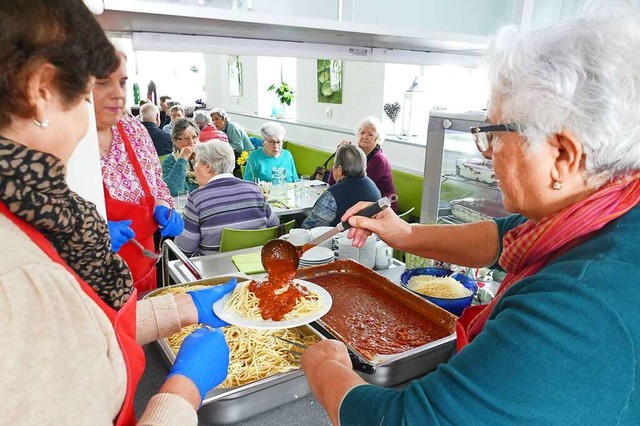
118, 173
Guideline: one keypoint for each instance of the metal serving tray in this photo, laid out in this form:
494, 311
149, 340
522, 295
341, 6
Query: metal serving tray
390, 370
233, 405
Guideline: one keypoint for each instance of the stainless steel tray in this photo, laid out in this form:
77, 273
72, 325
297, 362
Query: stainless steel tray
233, 405
391, 370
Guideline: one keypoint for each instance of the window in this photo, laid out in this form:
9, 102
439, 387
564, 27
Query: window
273, 70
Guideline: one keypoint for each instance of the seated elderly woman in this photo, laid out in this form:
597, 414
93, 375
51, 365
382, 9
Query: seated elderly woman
370, 137
207, 130
177, 169
562, 334
176, 112
222, 201
353, 185
262, 162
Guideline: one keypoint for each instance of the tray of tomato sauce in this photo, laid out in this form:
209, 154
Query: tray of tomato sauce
392, 334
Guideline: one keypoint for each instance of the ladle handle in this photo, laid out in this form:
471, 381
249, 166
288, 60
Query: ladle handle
371, 210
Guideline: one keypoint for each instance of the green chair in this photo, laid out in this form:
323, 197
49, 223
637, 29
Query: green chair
406, 214
236, 239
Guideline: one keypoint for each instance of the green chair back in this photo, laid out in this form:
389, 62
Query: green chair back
236, 239
406, 214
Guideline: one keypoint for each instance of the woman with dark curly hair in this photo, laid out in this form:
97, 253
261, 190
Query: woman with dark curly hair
71, 324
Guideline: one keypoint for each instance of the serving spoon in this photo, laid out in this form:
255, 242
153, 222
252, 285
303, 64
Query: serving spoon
280, 256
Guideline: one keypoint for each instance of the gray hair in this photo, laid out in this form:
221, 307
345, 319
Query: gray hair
271, 130
180, 126
373, 122
222, 113
352, 160
175, 107
216, 154
149, 112
201, 118
580, 76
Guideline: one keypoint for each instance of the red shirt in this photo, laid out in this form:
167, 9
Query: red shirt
209, 132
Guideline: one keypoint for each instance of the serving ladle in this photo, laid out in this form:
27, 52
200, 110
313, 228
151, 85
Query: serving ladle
282, 257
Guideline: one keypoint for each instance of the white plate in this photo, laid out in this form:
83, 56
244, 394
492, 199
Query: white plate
233, 317
319, 230
317, 254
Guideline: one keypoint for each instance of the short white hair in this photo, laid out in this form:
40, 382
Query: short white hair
149, 112
581, 76
222, 113
271, 130
371, 121
201, 118
216, 154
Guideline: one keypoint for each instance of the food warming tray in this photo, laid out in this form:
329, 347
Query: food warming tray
233, 405
390, 370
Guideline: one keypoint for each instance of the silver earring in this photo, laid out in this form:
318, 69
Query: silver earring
557, 185
42, 124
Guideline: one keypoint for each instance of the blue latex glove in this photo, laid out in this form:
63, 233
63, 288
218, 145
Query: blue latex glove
203, 358
120, 232
204, 300
170, 221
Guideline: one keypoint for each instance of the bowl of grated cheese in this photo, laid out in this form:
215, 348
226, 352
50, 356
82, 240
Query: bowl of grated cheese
453, 293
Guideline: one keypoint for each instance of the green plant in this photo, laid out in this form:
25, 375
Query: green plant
284, 92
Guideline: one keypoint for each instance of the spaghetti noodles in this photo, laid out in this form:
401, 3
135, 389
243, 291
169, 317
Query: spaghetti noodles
257, 302
254, 354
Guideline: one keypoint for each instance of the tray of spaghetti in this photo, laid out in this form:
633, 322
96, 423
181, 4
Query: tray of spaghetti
393, 334
262, 373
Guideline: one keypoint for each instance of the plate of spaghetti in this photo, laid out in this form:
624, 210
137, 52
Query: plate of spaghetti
257, 304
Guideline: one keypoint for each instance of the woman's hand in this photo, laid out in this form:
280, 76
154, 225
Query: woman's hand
120, 233
203, 359
330, 375
187, 152
205, 298
386, 224
169, 220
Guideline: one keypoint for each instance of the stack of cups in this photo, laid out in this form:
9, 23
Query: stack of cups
368, 252
384, 255
346, 250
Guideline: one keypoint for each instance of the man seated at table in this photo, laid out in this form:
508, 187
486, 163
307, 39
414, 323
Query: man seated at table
263, 161
353, 185
221, 201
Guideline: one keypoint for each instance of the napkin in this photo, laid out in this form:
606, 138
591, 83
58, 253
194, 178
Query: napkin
248, 263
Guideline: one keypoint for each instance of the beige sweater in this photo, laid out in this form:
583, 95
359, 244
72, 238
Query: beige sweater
60, 362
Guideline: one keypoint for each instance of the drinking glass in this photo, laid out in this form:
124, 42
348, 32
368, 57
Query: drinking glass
181, 202
304, 185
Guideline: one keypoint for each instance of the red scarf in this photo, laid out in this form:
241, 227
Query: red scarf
530, 246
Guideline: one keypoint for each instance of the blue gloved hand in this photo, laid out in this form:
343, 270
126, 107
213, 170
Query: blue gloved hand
205, 298
170, 221
203, 358
120, 232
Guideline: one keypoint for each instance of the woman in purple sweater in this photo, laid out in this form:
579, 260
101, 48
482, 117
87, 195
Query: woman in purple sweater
378, 166
221, 201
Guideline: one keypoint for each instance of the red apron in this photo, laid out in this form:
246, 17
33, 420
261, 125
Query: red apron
143, 269
123, 320
469, 313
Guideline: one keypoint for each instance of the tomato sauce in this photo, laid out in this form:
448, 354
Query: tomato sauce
278, 295
371, 321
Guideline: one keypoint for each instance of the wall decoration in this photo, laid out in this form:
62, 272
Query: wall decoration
235, 76
329, 76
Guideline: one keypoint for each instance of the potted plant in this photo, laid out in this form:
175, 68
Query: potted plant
284, 93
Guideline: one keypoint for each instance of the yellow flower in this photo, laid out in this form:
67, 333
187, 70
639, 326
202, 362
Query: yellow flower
242, 160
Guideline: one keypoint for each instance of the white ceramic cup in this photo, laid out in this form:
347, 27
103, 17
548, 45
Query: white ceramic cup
367, 255
383, 250
383, 262
299, 236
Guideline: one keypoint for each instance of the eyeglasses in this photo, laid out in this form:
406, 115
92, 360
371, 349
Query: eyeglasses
483, 136
188, 138
272, 142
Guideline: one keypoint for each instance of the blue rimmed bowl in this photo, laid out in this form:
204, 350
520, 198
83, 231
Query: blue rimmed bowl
455, 306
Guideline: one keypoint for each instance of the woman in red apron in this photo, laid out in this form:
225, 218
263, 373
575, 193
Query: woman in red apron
133, 186
69, 311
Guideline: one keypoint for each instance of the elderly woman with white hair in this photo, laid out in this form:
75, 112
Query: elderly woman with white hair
262, 162
370, 137
238, 138
559, 343
221, 201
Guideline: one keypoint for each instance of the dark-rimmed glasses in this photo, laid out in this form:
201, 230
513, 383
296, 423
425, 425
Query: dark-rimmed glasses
188, 138
483, 136
273, 142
